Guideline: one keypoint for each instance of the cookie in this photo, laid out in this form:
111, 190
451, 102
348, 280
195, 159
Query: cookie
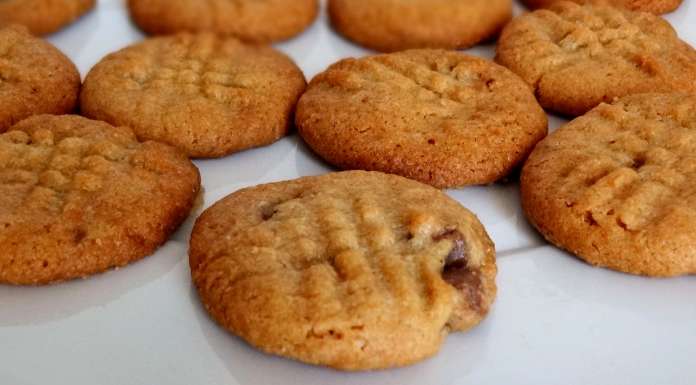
258, 21
43, 16
35, 77
652, 6
78, 197
616, 186
209, 96
394, 25
578, 56
354, 270
442, 118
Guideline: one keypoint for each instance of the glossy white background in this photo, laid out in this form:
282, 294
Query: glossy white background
556, 320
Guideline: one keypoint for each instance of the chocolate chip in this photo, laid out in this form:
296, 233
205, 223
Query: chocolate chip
268, 212
467, 281
79, 236
457, 272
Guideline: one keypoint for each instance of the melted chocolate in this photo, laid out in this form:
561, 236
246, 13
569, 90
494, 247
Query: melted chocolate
457, 272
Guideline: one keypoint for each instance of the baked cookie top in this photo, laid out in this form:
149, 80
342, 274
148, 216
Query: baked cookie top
443, 118
578, 56
652, 6
207, 95
393, 25
354, 270
78, 197
43, 16
616, 186
259, 21
35, 77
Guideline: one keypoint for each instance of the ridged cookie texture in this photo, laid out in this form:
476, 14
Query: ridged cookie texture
210, 96
78, 197
652, 6
578, 56
353, 270
258, 21
393, 25
439, 117
42, 17
616, 186
35, 77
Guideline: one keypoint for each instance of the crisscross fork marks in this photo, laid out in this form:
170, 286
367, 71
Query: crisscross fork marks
443, 86
637, 175
58, 167
598, 32
188, 68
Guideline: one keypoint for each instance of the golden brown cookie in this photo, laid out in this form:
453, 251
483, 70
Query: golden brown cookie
354, 270
209, 96
78, 197
443, 118
35, 77
652, 6
578, 56
616, 186
393, 25
259, 21
43, 16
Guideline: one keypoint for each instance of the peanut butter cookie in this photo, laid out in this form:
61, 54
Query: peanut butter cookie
35, 77
652, 6
78, 197
578, 56
43, 16
443, 118
616, 186
353, 270
208, 95
258, 21
393, 25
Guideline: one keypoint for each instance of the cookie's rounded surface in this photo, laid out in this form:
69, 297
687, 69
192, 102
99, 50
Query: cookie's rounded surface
393, 25
43, 16
259, 21
652, 6
578, 56
616, 186
443, 118
209, 96
35, 77
353, 270
78, 197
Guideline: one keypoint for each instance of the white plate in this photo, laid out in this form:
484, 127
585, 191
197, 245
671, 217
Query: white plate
556, 320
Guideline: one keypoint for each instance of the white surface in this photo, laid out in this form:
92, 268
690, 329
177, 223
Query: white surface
556, 320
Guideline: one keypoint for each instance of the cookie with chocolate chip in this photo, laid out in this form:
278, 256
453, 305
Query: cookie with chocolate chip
208, 95
394, 25
578, 56
35, 77
353, 270
616, 186
440, 117
78, 197
42, 17
258, 21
